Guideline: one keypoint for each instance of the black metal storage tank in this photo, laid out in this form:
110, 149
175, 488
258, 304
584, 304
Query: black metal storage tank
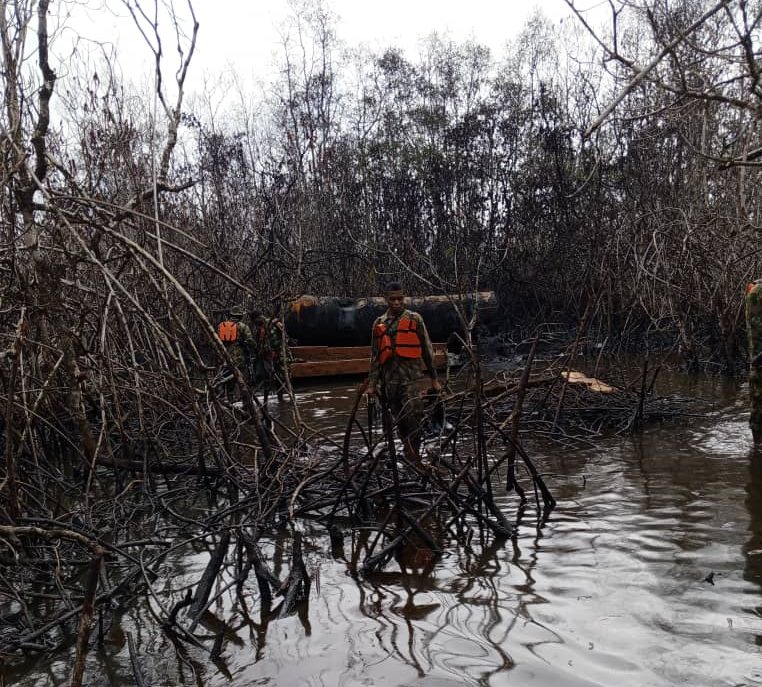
335, 321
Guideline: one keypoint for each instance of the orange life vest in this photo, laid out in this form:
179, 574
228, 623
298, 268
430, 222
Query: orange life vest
404, 342
227, 331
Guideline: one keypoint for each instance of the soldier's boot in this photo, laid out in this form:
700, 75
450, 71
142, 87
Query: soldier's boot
755, 419
756, 432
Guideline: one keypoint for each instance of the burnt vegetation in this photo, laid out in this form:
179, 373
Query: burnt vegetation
602, 180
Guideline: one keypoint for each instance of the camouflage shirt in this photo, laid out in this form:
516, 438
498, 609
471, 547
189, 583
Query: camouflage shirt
243, 347
754, 332
398, 370
269, 341
754, 321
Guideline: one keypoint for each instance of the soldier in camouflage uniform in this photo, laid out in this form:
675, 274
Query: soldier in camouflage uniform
754, 331
400, 342
270, 367
241, 350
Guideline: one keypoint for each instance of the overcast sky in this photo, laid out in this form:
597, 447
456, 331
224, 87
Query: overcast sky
379, 24
246, 33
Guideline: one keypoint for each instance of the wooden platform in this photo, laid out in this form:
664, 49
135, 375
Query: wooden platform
333, 361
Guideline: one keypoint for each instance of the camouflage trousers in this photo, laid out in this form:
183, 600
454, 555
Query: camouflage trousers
755, 400
230, 388
270, 375
754, 332
406, 406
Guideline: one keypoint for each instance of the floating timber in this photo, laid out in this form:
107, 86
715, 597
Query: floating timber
334, 361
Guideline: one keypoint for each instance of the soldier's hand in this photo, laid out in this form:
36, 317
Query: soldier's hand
435, 385
370, 392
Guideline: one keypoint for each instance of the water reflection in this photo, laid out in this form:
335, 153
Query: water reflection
753, 547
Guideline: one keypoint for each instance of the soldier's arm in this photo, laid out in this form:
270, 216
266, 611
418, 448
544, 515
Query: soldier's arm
250, 338
375, 367
427, 349
247, 337
269, 346
282, 341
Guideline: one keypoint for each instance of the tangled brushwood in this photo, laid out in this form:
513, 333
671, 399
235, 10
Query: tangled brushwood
113, 468
112, 471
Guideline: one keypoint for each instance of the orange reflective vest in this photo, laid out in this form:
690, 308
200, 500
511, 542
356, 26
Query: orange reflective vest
750, 286
227, 331
404, 342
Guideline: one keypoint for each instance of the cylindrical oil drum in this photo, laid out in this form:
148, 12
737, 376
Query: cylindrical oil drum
334, 321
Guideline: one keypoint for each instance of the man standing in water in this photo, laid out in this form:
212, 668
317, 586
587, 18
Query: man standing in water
238, 339
754, 332
270, 366
400, 342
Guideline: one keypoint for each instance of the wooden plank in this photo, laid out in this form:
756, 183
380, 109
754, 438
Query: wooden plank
591, 383
316, 353
329, 368
310, 353
351, 366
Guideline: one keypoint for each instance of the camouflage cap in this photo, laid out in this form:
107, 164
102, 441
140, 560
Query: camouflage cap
237, 311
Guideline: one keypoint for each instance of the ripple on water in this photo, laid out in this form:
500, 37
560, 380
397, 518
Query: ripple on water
729, 437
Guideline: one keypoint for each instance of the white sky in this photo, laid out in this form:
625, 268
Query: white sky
377, 23
245, 33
